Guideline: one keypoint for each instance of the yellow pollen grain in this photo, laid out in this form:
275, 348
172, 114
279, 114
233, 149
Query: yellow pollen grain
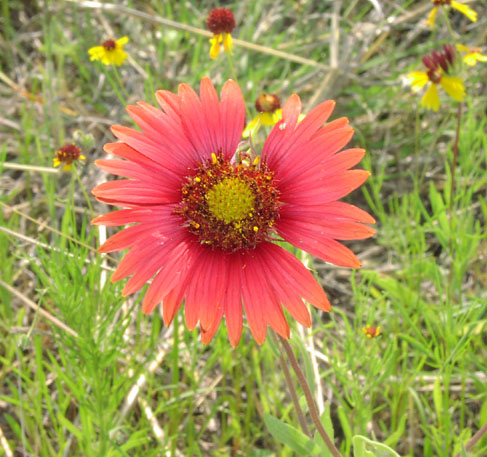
230, 200
256, 161
255, 228
197, 179
213, 158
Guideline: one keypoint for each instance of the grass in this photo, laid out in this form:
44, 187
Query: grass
105, 380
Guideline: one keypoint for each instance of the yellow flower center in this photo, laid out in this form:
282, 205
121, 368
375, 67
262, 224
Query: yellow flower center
230, 200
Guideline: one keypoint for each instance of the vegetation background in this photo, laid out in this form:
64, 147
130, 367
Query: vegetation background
84, 373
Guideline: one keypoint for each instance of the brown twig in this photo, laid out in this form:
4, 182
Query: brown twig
38, 309
313, 409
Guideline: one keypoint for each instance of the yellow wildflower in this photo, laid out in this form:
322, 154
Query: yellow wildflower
371, 332
438, 65
464, 9
110, 52
67, 154
270, 113
221, 23
472, 55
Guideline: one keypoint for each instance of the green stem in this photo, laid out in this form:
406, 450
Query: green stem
455, 154
448, 24
232, 68
120, 82
451, 203
83, 189
115, 85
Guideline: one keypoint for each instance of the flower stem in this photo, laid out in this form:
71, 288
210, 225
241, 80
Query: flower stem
85, 194
292, 389
448, 23
455, 153
115, 83
313, 409
232, 67
120, 82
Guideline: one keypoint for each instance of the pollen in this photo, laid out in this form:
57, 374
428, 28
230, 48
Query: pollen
230, 200
229, 206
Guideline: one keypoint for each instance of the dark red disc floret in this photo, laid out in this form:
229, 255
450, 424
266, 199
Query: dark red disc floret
220, 20
109, 45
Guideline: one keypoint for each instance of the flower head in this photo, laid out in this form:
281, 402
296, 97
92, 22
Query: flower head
207, 218
371, 332
472, 55
110, 52
464, 9
438, 66
67, 154
221, 23
269, 113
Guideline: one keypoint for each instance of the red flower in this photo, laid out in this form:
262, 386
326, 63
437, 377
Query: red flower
207, 219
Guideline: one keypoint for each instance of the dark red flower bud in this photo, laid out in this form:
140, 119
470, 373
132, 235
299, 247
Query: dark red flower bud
267, 103
449, 53
443, 62
429, 63
220, 20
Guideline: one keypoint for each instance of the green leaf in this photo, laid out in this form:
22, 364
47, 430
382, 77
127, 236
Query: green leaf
363, 447
437, 398
290, 436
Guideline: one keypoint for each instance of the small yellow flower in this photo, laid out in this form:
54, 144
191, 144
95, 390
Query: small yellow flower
371, 332
438, 65
221, 23
270, 113
110, 52
452, 86
67, 154
472, 55
464, 9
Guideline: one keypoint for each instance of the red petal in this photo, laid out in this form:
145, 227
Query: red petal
233, 300
126, 238
298, 278
233, 115
315, 243
132, 192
